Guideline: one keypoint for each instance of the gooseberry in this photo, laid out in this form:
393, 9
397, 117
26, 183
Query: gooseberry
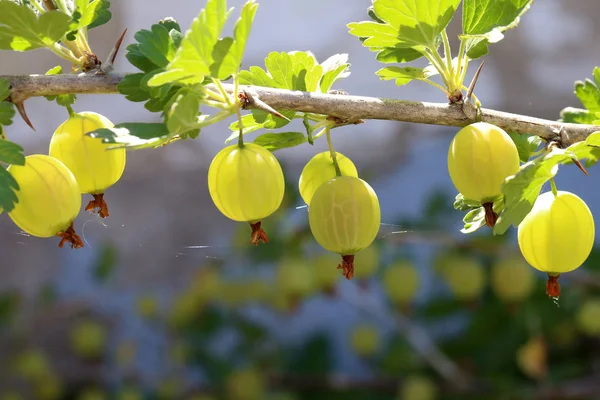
295, 279
512, 279
481, 156
326, 277
557, 235
48, 199
88, 339
246, 384
344, 218
464, 275
95, 167
401, 282
366, 262
532, 358
417, 387
588, 317
320, 169
247, 185
364, 340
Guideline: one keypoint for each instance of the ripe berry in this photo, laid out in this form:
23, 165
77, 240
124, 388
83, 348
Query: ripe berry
49, 199
481, 156
319, 170
247, 185
344, 218
95, 167
557, 236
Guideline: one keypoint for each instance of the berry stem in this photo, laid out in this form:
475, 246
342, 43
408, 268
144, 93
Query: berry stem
258, 235
552, 285
553, 185
347, 266
238, 106
338, 172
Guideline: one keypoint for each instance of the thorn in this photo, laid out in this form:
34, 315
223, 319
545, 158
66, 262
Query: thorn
252, 101
21, 109
581, 167
110, 60
474, 81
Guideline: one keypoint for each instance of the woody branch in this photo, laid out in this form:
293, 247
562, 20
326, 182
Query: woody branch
345, 107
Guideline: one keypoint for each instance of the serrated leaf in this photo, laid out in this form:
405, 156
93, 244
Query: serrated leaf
22, 30
484, 22
11, 153
194, 57
407, 28
183, 114
87, 9
156, 45
334, 68
4, 88
102, 14
7, 112
577, 116
131, 87
8, 188
170, 24
138, 60
463, 204
474, 220
404, 75
241, 32
259, 120
133, 134
280, 140
589, 94
526, 144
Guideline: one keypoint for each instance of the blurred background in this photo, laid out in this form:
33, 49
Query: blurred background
168, 299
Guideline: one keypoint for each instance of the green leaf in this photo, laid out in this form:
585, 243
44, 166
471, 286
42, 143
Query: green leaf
334, 68
183, 117
405, 74
194, 57
87, 9
588, 93
577, 116
134, 134
407, 28
280, 140
8, 188
521, 190
102, 14
11, 153
474, 220
106, 263
526, 144
156, 45
484, 22
241, 33
131, 87
7, 112
259, 120
4, 88
22, 30
62, 99
463, 204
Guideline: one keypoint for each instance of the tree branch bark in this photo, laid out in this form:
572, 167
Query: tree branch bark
345, 107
